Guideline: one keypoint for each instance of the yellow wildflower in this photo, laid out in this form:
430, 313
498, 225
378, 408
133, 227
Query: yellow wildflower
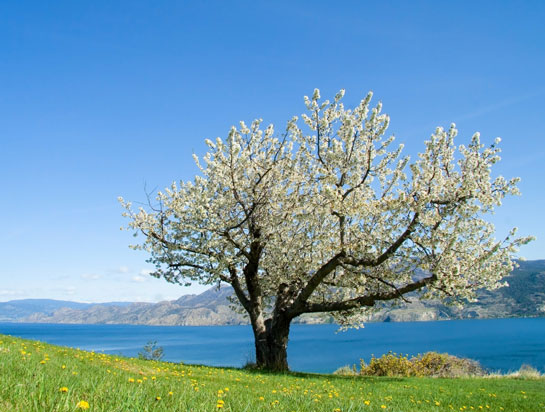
64, 389
82, 405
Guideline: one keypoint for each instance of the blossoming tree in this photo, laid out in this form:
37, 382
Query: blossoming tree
328, 217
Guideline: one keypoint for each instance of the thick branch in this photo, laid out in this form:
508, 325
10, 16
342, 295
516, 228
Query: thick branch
368, 300
237, 287
316, 279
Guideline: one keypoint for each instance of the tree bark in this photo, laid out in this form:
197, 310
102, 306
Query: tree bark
271, 345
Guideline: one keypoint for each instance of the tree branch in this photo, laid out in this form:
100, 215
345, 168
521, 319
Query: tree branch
237, 287
368, 300
316, 279
388, 252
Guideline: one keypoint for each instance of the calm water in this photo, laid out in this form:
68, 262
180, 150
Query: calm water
499, 344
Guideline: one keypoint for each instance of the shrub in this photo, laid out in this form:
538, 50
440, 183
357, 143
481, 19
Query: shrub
429, 364
445, 366
389, 364
528, 372
346, 370
151, 351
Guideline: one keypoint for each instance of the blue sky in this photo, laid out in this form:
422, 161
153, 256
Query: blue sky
102, 99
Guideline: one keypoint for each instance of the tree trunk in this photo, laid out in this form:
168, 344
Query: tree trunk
271, 345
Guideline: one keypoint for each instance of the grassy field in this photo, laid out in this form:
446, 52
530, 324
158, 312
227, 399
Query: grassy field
38, 377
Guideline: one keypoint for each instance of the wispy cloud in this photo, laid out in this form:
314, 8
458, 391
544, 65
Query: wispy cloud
91, 276
425, 130
70, 290
480, 111
139, 279
123, 269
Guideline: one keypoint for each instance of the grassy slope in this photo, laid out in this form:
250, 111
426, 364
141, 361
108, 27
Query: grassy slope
32, 374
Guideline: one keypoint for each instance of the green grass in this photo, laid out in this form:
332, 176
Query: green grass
33, 373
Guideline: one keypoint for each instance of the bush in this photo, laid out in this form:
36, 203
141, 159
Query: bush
429, 364
527, 372
151, 351
346, 370
445, 366
390, 364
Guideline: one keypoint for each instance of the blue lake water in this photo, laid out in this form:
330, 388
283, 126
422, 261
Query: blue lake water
498, 344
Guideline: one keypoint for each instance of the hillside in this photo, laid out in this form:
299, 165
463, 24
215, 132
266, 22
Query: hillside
38, 377
525, 297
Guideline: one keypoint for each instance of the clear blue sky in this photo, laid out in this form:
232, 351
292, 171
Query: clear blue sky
100, 99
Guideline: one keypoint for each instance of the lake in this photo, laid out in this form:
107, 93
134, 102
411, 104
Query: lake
498, 344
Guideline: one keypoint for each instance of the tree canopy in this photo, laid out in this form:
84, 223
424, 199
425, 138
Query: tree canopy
329, 216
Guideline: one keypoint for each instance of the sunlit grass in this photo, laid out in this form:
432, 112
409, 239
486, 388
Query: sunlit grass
39, 377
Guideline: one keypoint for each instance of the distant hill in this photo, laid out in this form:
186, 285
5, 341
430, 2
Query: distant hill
211, 307
17, 310
525, 297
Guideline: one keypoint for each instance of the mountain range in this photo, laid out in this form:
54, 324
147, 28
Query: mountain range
524, 297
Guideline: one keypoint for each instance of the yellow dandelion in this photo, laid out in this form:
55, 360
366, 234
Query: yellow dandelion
64, 389
131, 380
367, 402
82, 405
383, 406
157, 398
170, 393
261, 398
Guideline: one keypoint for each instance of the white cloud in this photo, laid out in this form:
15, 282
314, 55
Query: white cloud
123, 269
139, 279
70, 290
145, 272
6, 292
